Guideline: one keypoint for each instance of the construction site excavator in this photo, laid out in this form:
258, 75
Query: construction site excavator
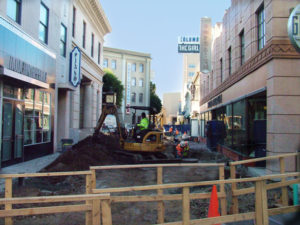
149, 146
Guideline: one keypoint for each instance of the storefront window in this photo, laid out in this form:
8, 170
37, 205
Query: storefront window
202, 125
239, 140
228, 125
12, 92
37, 117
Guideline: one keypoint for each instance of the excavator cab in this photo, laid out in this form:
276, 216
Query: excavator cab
150, 141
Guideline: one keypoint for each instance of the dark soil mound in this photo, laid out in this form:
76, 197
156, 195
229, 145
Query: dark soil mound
91, 151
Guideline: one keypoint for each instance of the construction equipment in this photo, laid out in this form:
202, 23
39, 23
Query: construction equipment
151, 143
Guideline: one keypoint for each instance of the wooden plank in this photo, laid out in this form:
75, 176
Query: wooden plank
284, 210
160, 204
262, 159
185, 206
264, 199
53, 174
93, 177
53, 199
155, 166
258, 203
155, 198
269, 187
96, 220
284, 191
220, 219
88, 188
45, 210
222, 189
106, 212
235, 201
192, 184
8, 194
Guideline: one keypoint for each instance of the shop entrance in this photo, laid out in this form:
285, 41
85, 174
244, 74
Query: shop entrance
12, 132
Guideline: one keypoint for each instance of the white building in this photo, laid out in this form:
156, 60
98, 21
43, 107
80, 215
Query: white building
133, 69
171, 104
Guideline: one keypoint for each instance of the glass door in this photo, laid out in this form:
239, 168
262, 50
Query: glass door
19, 115
7, 131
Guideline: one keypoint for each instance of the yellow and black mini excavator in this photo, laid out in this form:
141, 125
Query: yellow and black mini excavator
141, 146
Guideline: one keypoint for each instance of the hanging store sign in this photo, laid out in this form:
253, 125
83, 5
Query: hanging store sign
215, 101
188, 44
75, 61
128, 86
294, 27
24, 68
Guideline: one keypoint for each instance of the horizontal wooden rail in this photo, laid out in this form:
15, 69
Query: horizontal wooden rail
155, 198
53, 199
191, 184
262, 159
44, 210
156, 165
269, 187
54, 174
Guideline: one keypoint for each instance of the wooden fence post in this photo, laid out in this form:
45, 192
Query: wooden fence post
93, 177
222, 190
186, 206
261, 203
8, 194
284, 192
96, 212
88, 187
235, 202
160, 204
106, 212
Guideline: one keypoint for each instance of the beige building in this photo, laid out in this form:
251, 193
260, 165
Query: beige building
171, 106
133, 69
79, 106
195, 96
254, 83
191, 65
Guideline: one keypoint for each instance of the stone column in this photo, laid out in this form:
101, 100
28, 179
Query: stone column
88, 105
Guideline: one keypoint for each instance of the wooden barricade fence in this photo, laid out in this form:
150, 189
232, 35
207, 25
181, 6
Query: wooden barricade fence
9, 190
261, 214
236, 192
160, 198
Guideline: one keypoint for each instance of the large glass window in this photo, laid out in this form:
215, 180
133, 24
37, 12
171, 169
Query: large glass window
37, 119
113, 64
44, 23
12, 92
261, 28
228, 125
105, 63
133, 67
133, 97
83, 33
229, 61
141, 97
99, 52
133, 81
141, 82
14, 10
141, 68
63, 40
239, 141
92, 45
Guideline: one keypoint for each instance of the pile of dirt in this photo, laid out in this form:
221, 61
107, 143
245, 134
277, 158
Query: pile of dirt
91, 151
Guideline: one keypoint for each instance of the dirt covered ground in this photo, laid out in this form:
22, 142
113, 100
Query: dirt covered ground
101, 152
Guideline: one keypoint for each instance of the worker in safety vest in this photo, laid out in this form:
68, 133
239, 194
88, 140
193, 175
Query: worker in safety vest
143, 125
182, 149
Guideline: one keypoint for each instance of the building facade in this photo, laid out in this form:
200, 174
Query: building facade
133, 69
171, 105
37, 102
253, 86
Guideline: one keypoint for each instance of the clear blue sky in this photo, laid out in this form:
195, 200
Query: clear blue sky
153, 26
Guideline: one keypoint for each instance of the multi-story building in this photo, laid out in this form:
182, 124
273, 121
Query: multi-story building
133, 69
191, 65
254, 82
171, 104
38, 105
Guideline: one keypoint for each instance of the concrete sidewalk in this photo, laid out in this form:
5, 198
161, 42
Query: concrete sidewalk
31, 166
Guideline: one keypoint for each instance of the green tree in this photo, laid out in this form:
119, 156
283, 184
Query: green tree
155, 101
112, 83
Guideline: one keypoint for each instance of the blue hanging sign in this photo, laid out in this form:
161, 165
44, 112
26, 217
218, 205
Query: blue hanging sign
75, 60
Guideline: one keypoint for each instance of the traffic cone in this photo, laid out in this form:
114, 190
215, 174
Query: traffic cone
213, 210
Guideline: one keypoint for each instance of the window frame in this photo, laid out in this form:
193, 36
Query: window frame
141, 68
92, 44
133, 67
261, 27
242, 49
221, 69
18, 11
83, 34
141, 97
99, 52
133, 82
105, 62
133, 97
141, 82
113, 62
74, 22
46, 26
229, 61
63, 42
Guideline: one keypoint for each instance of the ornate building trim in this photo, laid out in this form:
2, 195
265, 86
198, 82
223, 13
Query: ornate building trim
276, 49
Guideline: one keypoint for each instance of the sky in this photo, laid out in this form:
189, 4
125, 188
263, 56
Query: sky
153, 26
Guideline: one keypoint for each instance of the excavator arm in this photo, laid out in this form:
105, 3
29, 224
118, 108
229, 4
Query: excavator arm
108, 109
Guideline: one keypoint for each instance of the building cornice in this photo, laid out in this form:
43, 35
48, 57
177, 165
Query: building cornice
275, 49
95, 12
126, 52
